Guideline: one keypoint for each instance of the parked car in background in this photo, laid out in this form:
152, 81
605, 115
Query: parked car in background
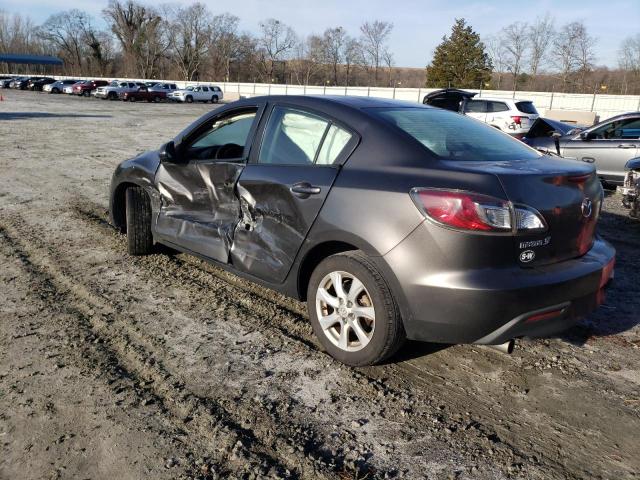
609, 145
115, 88
58, 86
144, 94
165, 88
37, 83
68, 89
514, 117
6, 82
392, 220
20, 83
88, 87
200, 93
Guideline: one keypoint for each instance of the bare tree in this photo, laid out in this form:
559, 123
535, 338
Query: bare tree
541, 35
308, 59
629, 60
333, 42
516, 44
353, 57
498, 56
388, 59
142, 35
565, 52
585, 55
226, 42
190, 38
374, 37
276, 40
101, 51
66, 31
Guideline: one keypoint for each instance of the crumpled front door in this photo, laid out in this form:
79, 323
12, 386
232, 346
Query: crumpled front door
200, 209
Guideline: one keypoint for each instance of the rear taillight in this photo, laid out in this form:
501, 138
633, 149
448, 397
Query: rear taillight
475, 212
517, 120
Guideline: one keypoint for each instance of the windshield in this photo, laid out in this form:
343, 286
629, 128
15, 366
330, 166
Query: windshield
451, 136
526, 107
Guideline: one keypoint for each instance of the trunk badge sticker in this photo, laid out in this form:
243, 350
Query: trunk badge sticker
527, 256
587, 207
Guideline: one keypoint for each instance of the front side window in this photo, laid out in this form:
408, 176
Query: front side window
627, 129
224, 138
292, 137
449, 136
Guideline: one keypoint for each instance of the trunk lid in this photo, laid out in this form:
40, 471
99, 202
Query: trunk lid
566, 193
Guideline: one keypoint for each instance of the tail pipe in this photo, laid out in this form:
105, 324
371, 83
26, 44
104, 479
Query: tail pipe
506, 347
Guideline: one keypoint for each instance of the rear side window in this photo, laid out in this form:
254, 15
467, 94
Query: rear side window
497, 107
526, 107
476, 106
292, 137
450, 136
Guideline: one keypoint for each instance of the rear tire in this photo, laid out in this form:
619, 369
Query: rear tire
383, 335
214, 99
138, 213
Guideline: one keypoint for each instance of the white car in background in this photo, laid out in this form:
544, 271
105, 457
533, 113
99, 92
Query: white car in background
514, 117
59, 86
200, 93
68, 89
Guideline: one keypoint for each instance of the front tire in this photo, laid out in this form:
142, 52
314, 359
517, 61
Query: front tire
352, 310
189, 99
138, 213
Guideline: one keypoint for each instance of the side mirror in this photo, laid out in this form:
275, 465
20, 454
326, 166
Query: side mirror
167, 153
586, 136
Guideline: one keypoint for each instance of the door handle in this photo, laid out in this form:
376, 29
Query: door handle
626, 146
588, 159
304, 189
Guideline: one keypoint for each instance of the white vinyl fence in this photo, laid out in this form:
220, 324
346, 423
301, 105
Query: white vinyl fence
604, 106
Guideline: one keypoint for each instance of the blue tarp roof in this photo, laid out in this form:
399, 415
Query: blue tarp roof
30, 59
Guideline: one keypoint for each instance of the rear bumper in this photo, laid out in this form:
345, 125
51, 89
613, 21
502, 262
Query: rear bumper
491, 306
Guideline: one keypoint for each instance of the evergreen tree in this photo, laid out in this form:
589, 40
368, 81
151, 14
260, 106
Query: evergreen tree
460, 61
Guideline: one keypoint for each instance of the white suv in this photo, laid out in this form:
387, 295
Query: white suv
514, 117
115, 88
201, 93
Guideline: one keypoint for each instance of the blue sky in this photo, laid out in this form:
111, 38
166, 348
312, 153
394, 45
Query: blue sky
418, 24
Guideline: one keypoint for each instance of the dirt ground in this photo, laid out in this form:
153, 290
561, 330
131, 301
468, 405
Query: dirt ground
166, 367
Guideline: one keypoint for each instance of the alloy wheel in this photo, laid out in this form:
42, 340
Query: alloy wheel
345, 311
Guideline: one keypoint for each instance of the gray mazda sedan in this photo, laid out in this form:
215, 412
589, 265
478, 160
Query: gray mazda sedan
392, 220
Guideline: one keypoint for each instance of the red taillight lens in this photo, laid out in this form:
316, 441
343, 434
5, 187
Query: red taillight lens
607, 272
517, 120
464, 210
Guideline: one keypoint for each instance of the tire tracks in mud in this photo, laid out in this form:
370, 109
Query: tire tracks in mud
204, 419
510, 433
391, 380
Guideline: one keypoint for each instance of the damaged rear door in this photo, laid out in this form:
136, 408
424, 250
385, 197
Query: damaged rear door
200, 208
284, 186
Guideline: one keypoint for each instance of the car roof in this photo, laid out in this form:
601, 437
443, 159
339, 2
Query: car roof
355, 102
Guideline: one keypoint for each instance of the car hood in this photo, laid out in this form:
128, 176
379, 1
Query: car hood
448, 98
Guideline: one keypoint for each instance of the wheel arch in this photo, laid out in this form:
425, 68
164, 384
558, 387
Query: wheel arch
312, 259
118, 204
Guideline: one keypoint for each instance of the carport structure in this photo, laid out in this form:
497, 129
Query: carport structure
46, 63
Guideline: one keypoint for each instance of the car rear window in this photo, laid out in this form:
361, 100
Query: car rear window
450, 136
526, 107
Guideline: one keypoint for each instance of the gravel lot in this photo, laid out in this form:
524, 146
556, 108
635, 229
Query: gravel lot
166, 367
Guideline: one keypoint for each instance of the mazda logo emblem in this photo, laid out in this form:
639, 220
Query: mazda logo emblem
587, 207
